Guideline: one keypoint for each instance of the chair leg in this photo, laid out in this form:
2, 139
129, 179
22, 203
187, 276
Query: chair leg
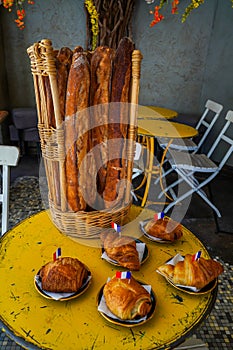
201, 194
170, 187
5, 198
196, 187
163, 176
206, 199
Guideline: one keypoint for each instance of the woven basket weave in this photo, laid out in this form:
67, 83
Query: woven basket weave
80, 224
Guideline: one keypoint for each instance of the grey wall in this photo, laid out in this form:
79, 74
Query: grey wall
61, 21
183, 64
3, 77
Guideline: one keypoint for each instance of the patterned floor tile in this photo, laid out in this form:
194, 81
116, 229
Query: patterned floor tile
215, 331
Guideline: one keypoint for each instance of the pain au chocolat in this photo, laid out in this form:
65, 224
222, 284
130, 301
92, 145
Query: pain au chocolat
126, 298
63, 275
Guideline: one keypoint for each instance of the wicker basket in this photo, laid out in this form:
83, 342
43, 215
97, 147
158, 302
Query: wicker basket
79, 224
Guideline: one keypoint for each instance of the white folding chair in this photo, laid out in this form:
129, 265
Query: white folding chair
9, 156
205, 124
187, 166
138, 166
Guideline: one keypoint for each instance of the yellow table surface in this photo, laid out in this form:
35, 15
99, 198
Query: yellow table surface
154, 112
76, 324
164, 128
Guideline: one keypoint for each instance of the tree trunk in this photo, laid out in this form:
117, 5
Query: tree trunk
115, 22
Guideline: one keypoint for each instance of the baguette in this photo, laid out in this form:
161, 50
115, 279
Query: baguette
101, 73
63, 63
76, 98
118, 121
82, 124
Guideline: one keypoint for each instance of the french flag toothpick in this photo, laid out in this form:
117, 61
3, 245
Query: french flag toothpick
57, 254
123, 275
196, 256
158, 216
116, 227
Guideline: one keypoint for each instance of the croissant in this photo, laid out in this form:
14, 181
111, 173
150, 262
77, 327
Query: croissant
127, 299
121, 249
63, 275
197, 273
166, 229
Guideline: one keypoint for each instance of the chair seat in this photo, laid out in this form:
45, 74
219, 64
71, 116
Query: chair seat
192, 162
24, 118
179, 144
189, 166
31, 134
203, 126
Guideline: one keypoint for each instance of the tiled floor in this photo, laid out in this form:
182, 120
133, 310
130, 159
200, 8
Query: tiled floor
216, 234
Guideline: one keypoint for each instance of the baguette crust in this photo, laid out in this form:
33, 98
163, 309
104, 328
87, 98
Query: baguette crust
101, 74
63, 63
121, 79
82, 124
127, 299
118, 121
76, 139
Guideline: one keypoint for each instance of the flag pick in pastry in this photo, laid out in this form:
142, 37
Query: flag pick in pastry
158, 216
123, 274
116, 227
196, 256
57, 254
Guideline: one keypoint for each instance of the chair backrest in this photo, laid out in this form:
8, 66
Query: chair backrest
208, 119
9, 156
223, 137
24, 118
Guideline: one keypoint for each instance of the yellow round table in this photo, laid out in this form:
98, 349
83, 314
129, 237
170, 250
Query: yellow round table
154, 112
155, 128
163, 128
146, 113
35, 322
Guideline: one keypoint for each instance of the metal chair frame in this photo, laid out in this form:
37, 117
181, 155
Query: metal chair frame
187, 165
206, 121
188, 145
9, 156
